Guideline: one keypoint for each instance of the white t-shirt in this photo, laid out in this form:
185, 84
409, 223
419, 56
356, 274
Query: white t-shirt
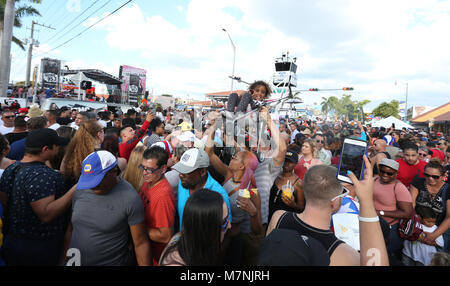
5, 130
103, 123
74, 126
421, 252
54, 126
293, 135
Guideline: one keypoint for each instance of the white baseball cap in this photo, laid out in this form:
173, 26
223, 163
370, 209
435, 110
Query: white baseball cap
192, 160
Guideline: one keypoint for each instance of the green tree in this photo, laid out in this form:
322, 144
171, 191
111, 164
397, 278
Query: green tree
21, 12
386, 109
329, 104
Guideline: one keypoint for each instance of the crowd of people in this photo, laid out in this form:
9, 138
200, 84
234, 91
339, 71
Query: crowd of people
153, 188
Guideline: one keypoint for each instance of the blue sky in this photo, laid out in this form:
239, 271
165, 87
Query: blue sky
360, 43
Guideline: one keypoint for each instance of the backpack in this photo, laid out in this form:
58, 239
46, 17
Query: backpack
410, 229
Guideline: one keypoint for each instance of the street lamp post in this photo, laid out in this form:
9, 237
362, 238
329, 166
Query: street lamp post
234, 59
406, 102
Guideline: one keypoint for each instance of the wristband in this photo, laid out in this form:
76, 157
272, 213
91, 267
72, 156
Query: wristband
369, 219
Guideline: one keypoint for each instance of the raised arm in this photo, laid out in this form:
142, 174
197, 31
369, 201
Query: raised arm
373, 248
217, 164
278, 158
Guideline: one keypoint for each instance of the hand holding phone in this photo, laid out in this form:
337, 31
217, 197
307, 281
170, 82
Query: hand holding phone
352, 159
364, 187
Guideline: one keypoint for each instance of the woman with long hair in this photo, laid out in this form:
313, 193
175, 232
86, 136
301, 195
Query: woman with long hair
308, 158
133, 174
194, 245
432, 192
87, 139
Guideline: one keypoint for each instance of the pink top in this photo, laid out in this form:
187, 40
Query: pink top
385, 197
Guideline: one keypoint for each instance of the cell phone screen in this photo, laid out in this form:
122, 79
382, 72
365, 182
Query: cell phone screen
352, 159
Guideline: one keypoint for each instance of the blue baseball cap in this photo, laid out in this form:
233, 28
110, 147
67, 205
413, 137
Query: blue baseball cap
95, 166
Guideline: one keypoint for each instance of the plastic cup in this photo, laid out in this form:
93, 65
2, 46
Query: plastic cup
244, 193
288, 191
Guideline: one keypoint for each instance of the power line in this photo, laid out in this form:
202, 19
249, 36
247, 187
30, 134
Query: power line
63, 14
88, 28
75, 26
76, 17
48, 9
58, 8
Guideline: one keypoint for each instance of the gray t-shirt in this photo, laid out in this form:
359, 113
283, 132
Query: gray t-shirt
239, 216
101, 225
265, 175
173, 177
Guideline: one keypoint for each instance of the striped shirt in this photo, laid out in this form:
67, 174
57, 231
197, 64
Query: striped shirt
265, 175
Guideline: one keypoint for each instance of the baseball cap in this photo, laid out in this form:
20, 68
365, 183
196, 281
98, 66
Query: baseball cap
45, 137
390, 163
95, 166
185, 126
286, 247
186, 136
291, 156
306, 132
192, 160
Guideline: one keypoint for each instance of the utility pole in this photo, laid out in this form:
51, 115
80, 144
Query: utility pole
5, 63
30, 51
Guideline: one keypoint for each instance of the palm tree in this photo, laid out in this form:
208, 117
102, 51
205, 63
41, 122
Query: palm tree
360, 106
329, 104
21, 11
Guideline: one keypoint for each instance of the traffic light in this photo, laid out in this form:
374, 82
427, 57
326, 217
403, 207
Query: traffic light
348, 88
313, 89
86, 85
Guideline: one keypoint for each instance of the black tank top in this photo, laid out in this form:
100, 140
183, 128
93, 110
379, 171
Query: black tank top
276, 202
290, 220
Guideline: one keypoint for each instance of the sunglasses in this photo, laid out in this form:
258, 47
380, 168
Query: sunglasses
423, 154
9, 117
148, 170
345, 193
225, 223
387, 173
320, 141
431, 176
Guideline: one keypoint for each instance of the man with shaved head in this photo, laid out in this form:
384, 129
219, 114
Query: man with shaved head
378, 153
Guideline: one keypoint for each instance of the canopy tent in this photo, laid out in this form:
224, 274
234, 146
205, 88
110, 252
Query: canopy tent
387, 123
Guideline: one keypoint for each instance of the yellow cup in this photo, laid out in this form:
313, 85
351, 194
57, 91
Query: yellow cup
244, 193
287, 191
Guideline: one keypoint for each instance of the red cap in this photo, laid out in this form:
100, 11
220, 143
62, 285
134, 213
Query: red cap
23, 110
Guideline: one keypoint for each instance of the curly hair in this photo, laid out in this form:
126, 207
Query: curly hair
261, 83
83, 143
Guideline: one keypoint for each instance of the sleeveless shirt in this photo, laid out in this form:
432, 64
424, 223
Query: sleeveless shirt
290, 220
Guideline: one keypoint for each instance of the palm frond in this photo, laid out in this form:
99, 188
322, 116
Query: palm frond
18, 42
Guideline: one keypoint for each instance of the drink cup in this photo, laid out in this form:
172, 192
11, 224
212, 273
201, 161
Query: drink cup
244, 193
288, 191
